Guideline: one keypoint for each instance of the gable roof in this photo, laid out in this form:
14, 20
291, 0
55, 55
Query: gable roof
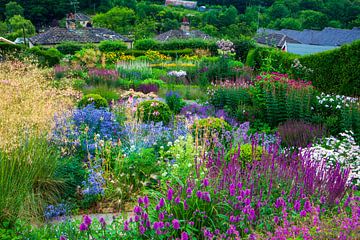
2, 39
187, 4
85, 35
274, 39
326, 37
180, 34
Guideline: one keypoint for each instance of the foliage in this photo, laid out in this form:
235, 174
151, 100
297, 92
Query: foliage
104, 91
12, 9
246, 152
46, 58
28, 180
88, 57
118, 19
174, 101
69, 47
95, 99
112, 46
19, 26
152, 110
299, 134
204, 128
331, 70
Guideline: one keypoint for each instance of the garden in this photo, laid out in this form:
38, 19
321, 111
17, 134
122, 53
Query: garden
176, 140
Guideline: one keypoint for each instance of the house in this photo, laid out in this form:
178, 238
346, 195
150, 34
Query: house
186, 4
88, 34
183, 33
311, 41
278, 40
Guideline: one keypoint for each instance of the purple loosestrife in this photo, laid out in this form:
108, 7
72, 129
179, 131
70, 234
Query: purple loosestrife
170, 194
184, 236
176, 224
83, 227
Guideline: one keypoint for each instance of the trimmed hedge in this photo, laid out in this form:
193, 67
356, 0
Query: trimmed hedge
69, 47
178, 44
171, 53
46, 57
112, 46
336, 71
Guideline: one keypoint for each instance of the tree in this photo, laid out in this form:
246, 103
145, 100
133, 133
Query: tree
278, 10
169, 24
119, 19
12, 9
18, 25
313, 20
210, 29
123, 3
3, 28
290, 23
145, 29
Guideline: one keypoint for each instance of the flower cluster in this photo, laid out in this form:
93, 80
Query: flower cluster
335, 102
94, 185
178, 74
55, 211
275, 77
344, 151
226, 47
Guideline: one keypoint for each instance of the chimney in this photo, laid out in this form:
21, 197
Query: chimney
185, 25
70, 22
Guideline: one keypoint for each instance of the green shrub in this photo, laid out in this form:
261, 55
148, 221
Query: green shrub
242, 47
203, 128
146, 44
95, 99
47, 58
157, 82
336, 71
248, 153
230, 98
103, 91
69, 47
112, 46
154, 111
174, 101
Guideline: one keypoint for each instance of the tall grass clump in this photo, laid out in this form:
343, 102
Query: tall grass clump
28, 102
27, 179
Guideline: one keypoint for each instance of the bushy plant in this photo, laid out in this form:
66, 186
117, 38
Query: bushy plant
69, 47
95, 99
88, 57
104, 91
174, 101
112, 46
299, 133
147, 88
154, 111
247, 153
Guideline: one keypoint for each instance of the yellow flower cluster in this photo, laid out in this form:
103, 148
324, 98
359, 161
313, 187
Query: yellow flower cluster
190, 58
165, 65
156, 56
28, 104
115, 57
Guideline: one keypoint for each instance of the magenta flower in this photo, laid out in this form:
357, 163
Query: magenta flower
276, 219
307, 206
62, 237
199, 194
176, 224
137, 210
177, 200
102, 222
303, 213
83, 227
161, 202
142, 229
205, 182
126, 226
87, 220
297, 205
140, 201
146, 201
184, 236
186, 206
170, 194
188, 192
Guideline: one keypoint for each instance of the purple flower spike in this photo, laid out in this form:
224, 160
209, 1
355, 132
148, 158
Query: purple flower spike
186, 206
276, 219
175, 224
62, 237
161, 202
303, 213
102, 222
146, 201
205, 182
83, 227
170, 194
87, 220
199, 194
188, 192
184, 236
297, 205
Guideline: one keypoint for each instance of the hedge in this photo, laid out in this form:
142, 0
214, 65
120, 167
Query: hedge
69, 47
336, 71
177, 44
112, 46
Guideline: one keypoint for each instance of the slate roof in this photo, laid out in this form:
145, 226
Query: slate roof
326, 37
187, 4
82, 17
180, 34
304, 49
85, 35
274, 39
